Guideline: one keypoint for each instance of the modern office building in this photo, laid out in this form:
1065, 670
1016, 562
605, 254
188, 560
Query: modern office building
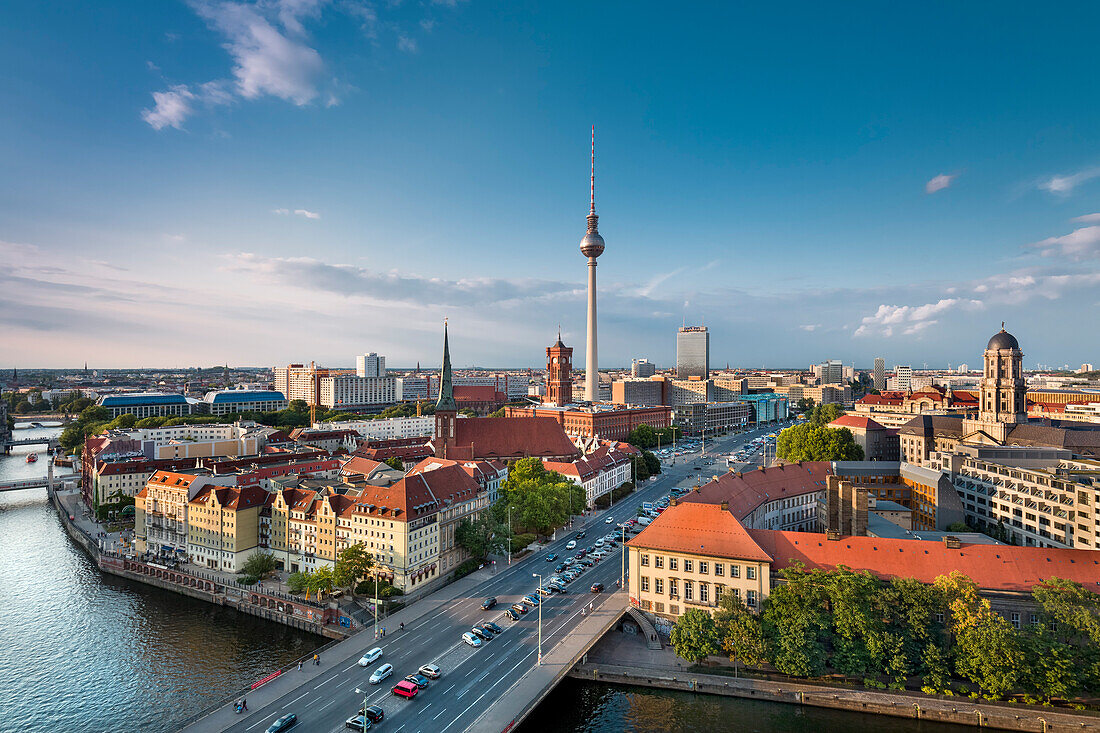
349, 392
146, 404
370, 365
228, 401
642, 368
880, 373
903, 378
302, 382
693, 352
638, 391
701, 418
829, 372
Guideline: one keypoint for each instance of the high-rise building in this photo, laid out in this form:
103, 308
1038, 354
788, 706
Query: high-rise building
592, 247
642, 368
904, 378
880, 373
829, 372
693, 352
370, 365
559, 373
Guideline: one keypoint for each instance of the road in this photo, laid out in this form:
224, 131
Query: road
473, 676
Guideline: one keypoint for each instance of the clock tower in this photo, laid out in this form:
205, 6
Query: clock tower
559, 373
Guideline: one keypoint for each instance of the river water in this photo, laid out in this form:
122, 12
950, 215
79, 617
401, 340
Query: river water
83, 651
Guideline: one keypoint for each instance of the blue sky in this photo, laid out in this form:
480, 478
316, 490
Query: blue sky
191, 183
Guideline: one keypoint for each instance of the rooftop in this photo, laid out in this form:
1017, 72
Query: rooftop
699, 529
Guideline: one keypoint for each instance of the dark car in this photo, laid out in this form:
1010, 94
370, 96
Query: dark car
419, 680
374, 713
511, 613
580, 535
493, 627
581, 554
357, 722
482, 633
560, 567
587, 563
284, 723
551, 557
488, 603
487, 629
596, 587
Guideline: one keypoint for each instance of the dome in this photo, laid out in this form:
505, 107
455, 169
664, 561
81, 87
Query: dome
1002, 340
592, 244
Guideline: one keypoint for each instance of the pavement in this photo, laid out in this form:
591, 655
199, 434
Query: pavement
324, 696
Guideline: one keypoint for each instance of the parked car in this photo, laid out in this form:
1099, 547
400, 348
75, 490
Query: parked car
284, 723
543, 591
373, 713
580, 535
357, 722
571, 544
472, 640
512, 614
519, 608
496, 630
596, 587
370, 657
599, 542
404, 688
531, 599
560, 567
418, 679
481, 633
381, 673
488, 603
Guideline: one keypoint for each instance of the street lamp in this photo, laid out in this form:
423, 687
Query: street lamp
364, 693
622, 578
539, 576
509, 535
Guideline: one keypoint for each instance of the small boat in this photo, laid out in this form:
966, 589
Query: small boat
32, 458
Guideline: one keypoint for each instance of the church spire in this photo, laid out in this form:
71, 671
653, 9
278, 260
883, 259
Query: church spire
446, 390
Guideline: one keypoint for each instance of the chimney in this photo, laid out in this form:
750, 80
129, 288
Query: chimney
725, 506
952, 542
673, 502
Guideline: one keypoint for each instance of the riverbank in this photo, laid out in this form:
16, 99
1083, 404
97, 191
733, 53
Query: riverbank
623, 659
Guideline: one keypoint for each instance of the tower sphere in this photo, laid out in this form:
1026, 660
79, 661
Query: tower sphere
592, 244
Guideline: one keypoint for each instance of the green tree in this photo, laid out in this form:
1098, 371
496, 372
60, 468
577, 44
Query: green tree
825, 414
796, 623
740, 632
987, 651
958, 527
258, 566
395, 462
298, 406
483, 535
804, 405
352, 563
652, 463
321, 581
641, 468
298, 582
695, 637
809, 442
642, 436
541, 500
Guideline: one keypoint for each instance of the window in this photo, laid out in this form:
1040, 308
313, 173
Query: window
719, 569
750, 599
1034, 619
688, 565
659, 585
719, 591
939, 618
672, 563
704, 593
1015, 620
750, 572
674, 609
646, 605
658, 561
645, 584
735, 571
689, 590
704, 567
673, 591
659, 607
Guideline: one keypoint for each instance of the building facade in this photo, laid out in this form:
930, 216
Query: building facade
559, 373
228, 401
880, 374
145, 404
642, 368
693, 352
712, 417
349, 392
370, 365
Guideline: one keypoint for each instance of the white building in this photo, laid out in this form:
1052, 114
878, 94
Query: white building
598, 473
352, 393
904, 378
370, 365
229, 401
389, 429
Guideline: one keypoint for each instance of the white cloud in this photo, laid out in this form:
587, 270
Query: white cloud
940, 182
407, 44
1081, 243
911, 320
170, 108
810, 328
280, 211
428, 25
1064, 185
307, 213
1087, 218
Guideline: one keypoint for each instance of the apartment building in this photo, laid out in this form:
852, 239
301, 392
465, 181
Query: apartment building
161, 510
351, 392
223, 526
711, 417
387, 429
783, 496
600, 472
301, 382
459, 497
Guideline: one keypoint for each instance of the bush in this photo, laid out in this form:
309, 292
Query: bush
465, 569
385, 590
520, 541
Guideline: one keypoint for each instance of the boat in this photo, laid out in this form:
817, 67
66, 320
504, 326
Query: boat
32, 458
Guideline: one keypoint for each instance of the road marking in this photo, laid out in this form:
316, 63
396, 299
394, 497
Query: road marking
424, 709
330, 702
439, 713
263, 720
351, 667
297, 699
448, 689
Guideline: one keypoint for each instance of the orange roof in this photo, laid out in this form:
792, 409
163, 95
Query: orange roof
511, 437
746, 491
359, 465
855, 421
992, 567
231, 497
699, 529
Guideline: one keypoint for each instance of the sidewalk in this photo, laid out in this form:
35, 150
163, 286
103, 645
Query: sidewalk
336, 656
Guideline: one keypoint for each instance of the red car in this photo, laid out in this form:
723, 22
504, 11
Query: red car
404, 688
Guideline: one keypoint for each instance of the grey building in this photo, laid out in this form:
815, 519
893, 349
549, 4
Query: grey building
642, 368
880, 373
712, 417
370, 365
830, 372
693, 352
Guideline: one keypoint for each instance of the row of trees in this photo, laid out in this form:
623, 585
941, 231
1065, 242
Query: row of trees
352, 565
814, 440
32, 402
645, 437
898, 632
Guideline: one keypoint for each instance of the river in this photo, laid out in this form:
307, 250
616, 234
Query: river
83, 651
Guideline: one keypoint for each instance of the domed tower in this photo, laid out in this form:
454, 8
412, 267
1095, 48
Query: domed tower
1002, 402
559, 373
592, 247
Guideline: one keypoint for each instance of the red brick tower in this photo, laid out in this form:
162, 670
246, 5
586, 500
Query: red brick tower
559, 373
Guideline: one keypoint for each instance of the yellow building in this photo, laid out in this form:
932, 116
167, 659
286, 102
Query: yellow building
690, 556
223, 526
160, 519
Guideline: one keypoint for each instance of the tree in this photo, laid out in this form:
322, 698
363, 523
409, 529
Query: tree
652, 463
641, 468
825, 414
958, 527
297, 582
796, 623
320, 581
642, 436
541, 500
804, 404
395, 462
483, 535
695, 637
987, 652
353, 563
298, 406
740, 632
258, 566
810, 442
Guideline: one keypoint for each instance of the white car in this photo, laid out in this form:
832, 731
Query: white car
471, 639
571, 545
370, 657
609, 520
381, 673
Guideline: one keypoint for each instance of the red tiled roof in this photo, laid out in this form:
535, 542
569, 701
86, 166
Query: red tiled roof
231, 497
992, 567
855, 421
359, 465
746, 491
512, 437
699, 529
477, 393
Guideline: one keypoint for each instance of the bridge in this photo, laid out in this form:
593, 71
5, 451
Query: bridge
50, 443
37, 483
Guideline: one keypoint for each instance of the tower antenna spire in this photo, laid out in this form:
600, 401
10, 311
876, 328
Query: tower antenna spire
592, 204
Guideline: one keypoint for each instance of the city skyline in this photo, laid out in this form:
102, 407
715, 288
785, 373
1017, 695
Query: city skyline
338, 170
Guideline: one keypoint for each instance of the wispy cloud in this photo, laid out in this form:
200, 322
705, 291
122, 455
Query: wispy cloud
1081, 243
1087, 218
297, 212
170, 108
407, 44
1064, 185
940, 182
910, 320
810, 328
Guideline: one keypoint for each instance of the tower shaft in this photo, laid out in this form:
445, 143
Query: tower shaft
591, 359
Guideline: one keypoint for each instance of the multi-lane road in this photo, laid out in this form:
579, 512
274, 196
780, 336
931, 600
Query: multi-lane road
472, 677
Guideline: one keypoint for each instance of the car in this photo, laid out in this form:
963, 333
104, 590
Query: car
609, 520
571, 545
418, 679
370, 657
489, 624
531, 599
357, 722
284, 723
581, 554
381, 673
580, 535
472, 640
374, 713
560, 567
559, 589
488, 603
431, 671
599, 542
543, 591
551, 557
612, 544
519, 608
596, 587
404, 688
697, 468
481, 633
587, 563
512, 614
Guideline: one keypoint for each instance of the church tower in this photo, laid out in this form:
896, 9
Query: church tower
1002, 402
446, 410
559, 373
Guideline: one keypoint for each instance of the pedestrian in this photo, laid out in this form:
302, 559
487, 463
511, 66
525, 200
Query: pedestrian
244, 703
316, 660
299, 665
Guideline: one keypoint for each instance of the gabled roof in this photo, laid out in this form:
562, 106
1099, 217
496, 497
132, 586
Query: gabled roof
855, 421
744, 492
512, 437
929, 425
232, 497
699, 529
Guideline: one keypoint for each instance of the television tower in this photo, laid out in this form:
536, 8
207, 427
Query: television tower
592, 247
